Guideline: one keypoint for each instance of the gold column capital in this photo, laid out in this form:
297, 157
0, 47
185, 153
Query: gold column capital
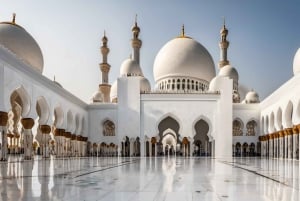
3, 118
27, 123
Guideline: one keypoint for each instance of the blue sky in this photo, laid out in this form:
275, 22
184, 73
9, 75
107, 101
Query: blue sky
263, 35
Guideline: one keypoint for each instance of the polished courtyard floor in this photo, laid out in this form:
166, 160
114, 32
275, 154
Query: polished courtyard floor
146, 179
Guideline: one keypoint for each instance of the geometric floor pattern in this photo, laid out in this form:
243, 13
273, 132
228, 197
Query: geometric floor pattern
149, 179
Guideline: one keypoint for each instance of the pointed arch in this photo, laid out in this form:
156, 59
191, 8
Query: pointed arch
237, 127
279, 119
272, 123
42, 110
108, 128
70, 120
22, 98
207, 120
171, 116
288, 114
58, 117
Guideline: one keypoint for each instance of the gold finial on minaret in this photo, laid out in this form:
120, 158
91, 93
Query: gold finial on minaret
54, 78
182, 31
135, 20
14, 18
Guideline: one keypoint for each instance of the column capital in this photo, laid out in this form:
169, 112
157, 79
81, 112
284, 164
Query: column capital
295, 130
27, 123
46, 129
3, 118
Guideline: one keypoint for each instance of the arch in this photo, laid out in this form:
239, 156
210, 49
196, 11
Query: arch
201, 139
77, 123
108, 128
266, 125
82, 125
21, 97
204, 118
70, 120
296, 118
238, 149
263, 125
42, 109
163, 117
288, 114
279, 119
58, 117
272, 123
251, 128
237, 127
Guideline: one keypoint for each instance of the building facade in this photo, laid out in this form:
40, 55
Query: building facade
191, 110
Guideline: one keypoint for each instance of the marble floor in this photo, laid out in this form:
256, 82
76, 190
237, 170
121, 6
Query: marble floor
145, 179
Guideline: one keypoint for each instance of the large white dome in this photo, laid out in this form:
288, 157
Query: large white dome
296, 63
16, 39
183, 57
130, 67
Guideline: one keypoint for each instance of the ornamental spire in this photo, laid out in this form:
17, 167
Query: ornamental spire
14, 18
224, 44
182, 31
136, 43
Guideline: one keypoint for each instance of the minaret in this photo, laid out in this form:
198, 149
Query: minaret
223, 46
105, 67
136, 43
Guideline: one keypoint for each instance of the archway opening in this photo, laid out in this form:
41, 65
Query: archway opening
201, 140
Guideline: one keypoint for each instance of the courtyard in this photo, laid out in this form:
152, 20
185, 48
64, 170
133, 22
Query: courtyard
160, 178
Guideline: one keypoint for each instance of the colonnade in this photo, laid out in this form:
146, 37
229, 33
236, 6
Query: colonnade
66, 144
281, 144
69, 145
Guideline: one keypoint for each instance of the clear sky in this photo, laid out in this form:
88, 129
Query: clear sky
264, 36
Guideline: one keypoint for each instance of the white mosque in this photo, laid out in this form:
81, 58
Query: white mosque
191, 111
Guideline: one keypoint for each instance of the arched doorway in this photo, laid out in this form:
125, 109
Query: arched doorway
245, 149
252, 149
168, 137
238, 149
201, 140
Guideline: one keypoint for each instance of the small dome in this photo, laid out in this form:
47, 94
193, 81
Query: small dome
296, 63
183, 57
229, 71
16, 39
215, 84
114, 90
145, 85
130, 68
252, 97
97, 97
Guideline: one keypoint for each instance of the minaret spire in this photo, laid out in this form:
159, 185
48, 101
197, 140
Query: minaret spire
224, 44
14, 18
104, 87
136, 43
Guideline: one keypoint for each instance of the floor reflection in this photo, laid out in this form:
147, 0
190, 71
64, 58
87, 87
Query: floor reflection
166, 178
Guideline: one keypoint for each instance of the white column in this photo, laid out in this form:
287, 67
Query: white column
290, 146
150, 148
155, 146
281, 142
286, 139
295, 135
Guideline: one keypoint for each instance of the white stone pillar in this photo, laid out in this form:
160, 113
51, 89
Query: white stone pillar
150, 149
286, 146
28, 137
131, 148
281, 142
295, 135
155, 146
290, 146
3, 137
45, 129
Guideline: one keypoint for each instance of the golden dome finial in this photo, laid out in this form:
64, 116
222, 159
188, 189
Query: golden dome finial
14, 18
224, 24
182, 31
135, 20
